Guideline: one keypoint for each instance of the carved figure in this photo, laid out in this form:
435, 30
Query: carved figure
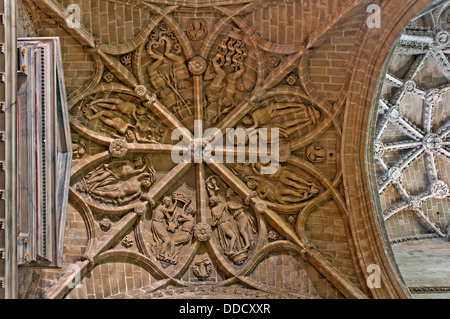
225, 71
78, 148
116, 169
284, 187
126, 191
168, 71
119, 182
226, 230
260, 118
110, 119
236, 228
213, 183
172, 224
183, 233
245, 226
196, 29
161, 236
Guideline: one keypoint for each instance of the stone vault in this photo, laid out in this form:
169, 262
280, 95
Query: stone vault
141, 226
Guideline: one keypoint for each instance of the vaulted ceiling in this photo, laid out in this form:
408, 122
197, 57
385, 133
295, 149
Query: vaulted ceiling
140, 225
412, 152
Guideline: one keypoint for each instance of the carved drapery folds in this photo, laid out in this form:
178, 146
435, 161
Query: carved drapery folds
236, 227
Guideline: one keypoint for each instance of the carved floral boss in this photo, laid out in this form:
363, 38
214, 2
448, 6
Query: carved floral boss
224, 205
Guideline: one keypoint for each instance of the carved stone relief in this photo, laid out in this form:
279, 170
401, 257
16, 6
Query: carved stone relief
203, 268
289, 117
316, 153
172, 224
118, 182
224, 75
200, 216
167, 71
79, 148
284, 187
197, 29
235, 226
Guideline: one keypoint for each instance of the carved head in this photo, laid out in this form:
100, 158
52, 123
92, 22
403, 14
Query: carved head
167, 200
191, 211
197, 25
82, 187
137, 161
146, 182
129, 135
252, 184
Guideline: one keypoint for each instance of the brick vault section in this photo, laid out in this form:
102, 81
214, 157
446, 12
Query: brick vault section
141, 226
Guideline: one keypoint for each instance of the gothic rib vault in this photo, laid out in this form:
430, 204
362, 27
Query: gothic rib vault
411, 153
140, 225
413, 125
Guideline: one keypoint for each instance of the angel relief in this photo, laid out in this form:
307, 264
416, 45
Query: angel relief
119, 182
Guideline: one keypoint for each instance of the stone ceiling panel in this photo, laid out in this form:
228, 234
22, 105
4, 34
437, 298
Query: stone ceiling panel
140, 73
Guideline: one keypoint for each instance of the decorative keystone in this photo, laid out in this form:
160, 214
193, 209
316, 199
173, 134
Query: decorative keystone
440, 190
442, 38
395, 174
197, 65
202, 231
140, 90
140, 209
118, 148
